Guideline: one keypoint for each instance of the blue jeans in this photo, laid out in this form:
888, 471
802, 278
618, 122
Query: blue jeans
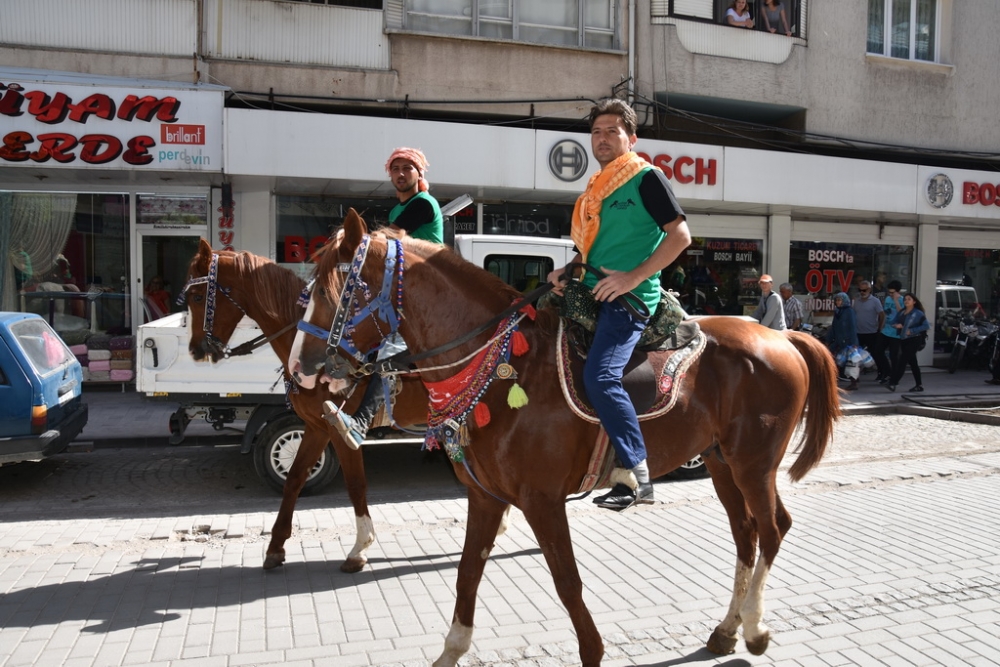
616, 336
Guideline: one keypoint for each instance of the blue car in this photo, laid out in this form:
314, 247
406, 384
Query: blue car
41, 382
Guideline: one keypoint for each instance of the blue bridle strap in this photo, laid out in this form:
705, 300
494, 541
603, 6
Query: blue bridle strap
380, 308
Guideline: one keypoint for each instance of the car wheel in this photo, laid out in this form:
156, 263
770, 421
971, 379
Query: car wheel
275, 450
693, 469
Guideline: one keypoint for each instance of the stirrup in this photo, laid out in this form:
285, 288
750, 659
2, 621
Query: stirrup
344, 424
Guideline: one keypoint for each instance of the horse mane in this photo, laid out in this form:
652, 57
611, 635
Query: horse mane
274, 288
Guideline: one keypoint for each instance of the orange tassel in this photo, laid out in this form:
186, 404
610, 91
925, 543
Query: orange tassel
481, 413
519, 344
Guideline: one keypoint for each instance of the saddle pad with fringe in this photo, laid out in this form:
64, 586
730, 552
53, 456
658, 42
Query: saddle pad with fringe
652, 379
655, 377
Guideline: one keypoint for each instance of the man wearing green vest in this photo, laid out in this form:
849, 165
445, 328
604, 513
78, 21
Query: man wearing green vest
418, 215
628, 224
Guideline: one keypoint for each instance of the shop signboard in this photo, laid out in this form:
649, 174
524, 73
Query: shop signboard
70, 122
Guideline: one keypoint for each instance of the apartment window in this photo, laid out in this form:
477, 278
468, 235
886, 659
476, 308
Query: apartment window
906, 29
714, 11
583, 23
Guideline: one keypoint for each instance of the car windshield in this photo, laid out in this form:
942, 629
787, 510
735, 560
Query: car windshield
43, 347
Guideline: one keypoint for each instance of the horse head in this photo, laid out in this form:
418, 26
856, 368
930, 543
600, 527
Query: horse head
343, 322
211, 275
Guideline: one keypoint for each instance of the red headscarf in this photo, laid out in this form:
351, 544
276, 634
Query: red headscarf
415, 157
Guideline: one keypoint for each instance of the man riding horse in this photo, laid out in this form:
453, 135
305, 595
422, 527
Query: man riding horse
419, 215
628, 224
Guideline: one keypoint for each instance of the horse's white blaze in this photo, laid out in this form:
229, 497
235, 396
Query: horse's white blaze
753, 606
365, 538
456, 644
741, 584
294, 357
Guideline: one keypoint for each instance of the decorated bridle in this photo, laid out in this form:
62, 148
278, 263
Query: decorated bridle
343, 356
212, 287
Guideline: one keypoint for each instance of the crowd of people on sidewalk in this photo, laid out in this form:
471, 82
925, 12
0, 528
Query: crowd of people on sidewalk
864, 332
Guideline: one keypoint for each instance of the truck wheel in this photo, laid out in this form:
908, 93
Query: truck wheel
275, 449
693, 469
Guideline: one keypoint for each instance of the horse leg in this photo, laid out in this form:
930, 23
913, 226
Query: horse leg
352, 465
310, 449
772, 531
548, 521
723, 639
484, 519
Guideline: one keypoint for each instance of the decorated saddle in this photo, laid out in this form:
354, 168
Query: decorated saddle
653, 381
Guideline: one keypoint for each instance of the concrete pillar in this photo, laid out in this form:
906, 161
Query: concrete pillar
925, 282
779, 240
254, 220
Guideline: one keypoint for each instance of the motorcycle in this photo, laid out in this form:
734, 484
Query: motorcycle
973, 343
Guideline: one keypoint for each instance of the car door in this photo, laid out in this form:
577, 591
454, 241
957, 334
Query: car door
15, 395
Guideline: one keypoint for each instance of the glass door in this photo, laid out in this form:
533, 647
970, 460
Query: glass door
163, 264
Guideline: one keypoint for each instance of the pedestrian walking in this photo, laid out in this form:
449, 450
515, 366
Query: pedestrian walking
912, 324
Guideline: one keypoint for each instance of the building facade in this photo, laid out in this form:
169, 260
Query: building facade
854, 147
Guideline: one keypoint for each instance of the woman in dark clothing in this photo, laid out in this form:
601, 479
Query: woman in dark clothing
843, 333
911, 323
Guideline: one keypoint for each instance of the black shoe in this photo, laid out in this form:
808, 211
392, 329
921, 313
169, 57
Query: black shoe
917, 388
628, 497
853, 386
843, 378
616, 490
883, 380
891, 387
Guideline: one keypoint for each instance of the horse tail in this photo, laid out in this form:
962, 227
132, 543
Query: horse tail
822, 404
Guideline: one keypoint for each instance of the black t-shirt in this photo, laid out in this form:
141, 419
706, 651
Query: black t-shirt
416, 214
658, 198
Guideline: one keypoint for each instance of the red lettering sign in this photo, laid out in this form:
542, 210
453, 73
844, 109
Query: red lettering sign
93, 148
704, 170
819, 281
976, 193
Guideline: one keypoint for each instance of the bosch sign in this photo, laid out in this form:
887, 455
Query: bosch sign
685, 169
980, 193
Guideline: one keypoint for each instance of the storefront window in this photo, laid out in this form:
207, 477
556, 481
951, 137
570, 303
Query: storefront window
171, 211
66, 257
818, 271
304, 224
549, 220
976, 268
717, 276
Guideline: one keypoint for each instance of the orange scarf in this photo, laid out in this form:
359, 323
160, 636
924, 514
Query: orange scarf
587, 212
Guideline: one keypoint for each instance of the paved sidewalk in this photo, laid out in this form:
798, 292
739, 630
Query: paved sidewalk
888, 564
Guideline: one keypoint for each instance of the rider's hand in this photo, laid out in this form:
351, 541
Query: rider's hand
556, 278
614, 285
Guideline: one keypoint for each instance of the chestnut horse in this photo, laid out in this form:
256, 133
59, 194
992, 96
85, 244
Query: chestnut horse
739, 405
267, 293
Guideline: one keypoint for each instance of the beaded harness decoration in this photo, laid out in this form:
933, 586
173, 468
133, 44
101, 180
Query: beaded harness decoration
211, 282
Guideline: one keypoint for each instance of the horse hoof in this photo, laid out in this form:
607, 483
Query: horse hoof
352, 565
759, 645
274, 560
721, 644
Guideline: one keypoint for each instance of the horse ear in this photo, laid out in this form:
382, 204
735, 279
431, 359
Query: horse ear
204, 248
354, 228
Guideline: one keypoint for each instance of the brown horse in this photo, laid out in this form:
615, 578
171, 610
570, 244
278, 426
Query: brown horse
268, 293
739, 404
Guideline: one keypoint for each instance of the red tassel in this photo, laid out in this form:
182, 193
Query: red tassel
481, 413
519, 344
529, 311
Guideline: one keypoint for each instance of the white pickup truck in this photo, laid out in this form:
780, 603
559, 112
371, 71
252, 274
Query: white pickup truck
247, 391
